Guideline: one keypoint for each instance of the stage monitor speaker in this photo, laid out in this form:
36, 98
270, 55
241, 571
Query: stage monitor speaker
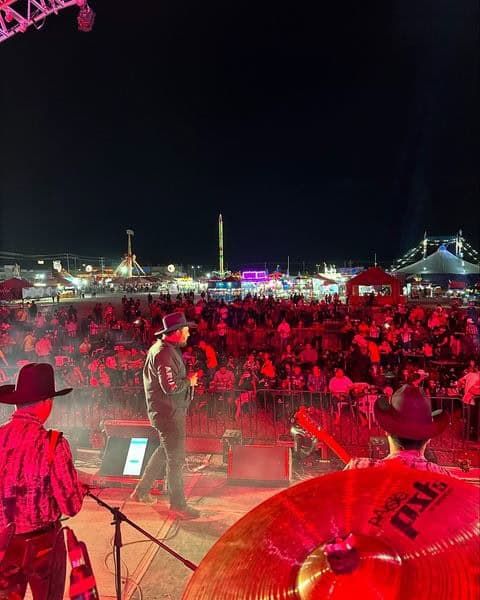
268, 466
126, 457
129, 429
128, 449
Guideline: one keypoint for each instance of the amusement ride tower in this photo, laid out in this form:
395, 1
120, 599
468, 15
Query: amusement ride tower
129, 264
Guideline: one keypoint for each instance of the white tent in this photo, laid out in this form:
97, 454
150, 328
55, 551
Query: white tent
441, 262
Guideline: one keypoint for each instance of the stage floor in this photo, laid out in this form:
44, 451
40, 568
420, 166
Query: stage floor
152, 573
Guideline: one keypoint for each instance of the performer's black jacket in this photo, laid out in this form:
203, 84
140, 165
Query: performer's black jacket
167, 387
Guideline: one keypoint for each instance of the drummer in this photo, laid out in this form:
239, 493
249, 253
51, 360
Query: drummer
409, 425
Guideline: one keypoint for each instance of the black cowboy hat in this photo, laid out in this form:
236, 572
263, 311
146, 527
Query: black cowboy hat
35, 382
409, 415
174, 321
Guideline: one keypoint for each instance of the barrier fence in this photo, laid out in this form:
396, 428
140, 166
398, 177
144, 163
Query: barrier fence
264, 416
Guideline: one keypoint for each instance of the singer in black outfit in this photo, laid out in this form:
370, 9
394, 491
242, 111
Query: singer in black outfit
168, 391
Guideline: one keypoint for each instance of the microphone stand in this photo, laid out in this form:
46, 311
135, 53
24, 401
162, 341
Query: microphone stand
118, 518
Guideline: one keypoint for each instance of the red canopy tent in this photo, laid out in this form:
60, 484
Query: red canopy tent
457, 285
11, 289
385, 287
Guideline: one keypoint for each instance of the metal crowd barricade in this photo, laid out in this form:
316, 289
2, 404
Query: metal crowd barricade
263, 416
267, 415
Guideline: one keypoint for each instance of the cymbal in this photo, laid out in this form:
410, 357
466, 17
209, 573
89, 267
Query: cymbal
388, 532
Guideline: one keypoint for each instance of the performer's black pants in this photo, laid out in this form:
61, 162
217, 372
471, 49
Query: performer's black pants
168, 457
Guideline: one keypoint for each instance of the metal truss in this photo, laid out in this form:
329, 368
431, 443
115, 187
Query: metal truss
463, 249
16, 16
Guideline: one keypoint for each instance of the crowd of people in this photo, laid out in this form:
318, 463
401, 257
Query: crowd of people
288, 348
248, 345
40, 483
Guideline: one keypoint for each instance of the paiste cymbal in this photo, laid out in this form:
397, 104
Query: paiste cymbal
387, 532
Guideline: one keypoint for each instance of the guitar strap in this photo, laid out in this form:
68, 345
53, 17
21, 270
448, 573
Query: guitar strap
53, 437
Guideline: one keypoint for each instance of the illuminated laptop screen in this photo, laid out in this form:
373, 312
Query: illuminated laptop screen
135, 456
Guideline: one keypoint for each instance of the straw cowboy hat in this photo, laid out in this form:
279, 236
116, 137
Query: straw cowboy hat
409, 415
174, 321
36, 382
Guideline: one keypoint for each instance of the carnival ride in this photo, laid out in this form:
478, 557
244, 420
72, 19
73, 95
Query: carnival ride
16, 16
129, 267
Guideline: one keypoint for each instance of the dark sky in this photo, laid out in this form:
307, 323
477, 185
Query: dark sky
323, 131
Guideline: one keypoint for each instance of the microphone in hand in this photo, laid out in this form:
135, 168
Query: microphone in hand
193, 379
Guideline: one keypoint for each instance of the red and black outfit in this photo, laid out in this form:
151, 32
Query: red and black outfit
38, 483
410, 458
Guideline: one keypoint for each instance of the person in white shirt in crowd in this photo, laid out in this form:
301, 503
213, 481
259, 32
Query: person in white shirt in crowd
339, 386
283, 331
222, 384
470, 384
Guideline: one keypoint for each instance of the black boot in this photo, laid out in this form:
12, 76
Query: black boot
184, 512
145, 497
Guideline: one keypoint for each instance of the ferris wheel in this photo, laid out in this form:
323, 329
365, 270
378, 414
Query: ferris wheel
16, 16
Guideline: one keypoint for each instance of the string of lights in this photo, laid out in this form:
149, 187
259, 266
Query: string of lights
66, 259
463, 249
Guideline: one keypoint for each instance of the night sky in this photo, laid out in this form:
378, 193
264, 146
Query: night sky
323, 131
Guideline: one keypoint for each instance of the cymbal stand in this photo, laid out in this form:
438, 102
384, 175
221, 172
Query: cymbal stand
118, 518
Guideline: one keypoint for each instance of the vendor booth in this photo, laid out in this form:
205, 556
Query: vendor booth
226, 289
11, 289
280, 285
374, 286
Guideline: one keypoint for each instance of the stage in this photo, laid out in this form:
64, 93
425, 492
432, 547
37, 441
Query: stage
152, 573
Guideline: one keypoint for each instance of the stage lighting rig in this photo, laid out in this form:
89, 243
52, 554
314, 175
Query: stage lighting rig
16, 16
86, 17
